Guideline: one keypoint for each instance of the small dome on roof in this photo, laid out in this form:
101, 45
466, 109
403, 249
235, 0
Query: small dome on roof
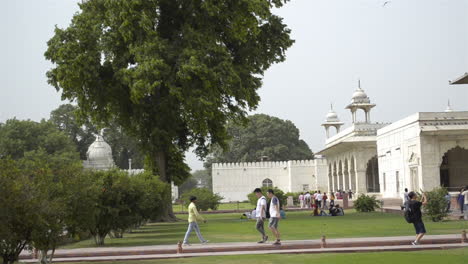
359, 96
99, 155
332, 116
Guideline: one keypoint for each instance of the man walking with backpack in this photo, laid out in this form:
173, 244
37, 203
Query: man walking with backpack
413, 215
260, 214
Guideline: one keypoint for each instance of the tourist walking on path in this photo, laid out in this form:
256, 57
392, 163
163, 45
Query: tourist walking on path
301, 200
416, 216
461, 200
274, 215
260, 213
193, 216
465, 207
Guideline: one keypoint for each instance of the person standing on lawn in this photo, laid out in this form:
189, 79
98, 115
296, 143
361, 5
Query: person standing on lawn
274, 216
465, 208
416, 216
193, 216
260, 214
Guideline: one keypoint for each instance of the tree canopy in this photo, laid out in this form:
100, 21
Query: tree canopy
83, 133
264, 137
171, 73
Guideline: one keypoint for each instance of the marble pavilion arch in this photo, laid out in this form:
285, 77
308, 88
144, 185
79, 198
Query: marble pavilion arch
419, 152
351, 154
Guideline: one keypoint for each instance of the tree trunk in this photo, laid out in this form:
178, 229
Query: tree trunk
99, 239
43, 257
167, 212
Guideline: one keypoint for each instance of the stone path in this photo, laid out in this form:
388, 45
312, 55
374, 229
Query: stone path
344, 245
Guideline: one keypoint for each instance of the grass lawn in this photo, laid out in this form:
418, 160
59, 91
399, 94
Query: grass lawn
297, 225
452, 256
223, 206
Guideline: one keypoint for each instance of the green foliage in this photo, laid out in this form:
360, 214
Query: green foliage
83, 132
295, 196
279, 193
204, 176
17, 137
263, 135
170, 73
206, 199
34, 200
189, 184
436, 204
365, 203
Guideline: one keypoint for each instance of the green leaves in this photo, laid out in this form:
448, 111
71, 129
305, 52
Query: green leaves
263, 136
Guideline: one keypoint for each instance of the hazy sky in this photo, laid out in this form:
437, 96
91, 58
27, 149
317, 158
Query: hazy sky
404, 53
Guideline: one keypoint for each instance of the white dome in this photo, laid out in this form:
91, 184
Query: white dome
359, 94
332, 117
99, 155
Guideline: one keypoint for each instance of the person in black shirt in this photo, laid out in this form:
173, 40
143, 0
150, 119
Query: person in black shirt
415, 206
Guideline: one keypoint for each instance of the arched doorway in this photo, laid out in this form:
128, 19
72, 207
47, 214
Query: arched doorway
454, 169
267, 183
372, 175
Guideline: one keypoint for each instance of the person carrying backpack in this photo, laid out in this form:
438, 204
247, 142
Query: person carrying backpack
413, 215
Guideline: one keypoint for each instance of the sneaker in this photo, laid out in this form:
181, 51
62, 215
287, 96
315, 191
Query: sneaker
265, 239
261, 242
277, 243
204, 242
414, 243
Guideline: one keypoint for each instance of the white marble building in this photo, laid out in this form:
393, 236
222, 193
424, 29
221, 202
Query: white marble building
420, 152
234, 181
423, 151
351, 154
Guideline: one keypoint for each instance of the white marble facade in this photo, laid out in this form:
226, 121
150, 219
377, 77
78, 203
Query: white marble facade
420, 152
423, 151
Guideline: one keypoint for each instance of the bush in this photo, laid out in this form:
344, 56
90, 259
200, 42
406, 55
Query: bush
206, 199
279, 193
295, 196
365, 203
436, 204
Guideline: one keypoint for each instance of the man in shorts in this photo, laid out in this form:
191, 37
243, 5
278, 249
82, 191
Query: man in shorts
274, 216
415, 206
260, 214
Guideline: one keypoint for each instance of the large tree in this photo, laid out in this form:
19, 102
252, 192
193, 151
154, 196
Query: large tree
263, 138
171, 73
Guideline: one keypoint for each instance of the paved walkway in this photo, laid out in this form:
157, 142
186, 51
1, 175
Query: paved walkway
257, 252
365, 244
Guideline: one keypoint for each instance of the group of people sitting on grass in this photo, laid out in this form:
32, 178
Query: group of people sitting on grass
335, 210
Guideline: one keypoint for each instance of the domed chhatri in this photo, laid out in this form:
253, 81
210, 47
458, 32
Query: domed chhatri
360, 101
332, 120
359, 96
332, 116
99, 155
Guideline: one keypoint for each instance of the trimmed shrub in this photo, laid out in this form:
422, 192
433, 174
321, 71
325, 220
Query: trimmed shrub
206, 199
365, 203
436, 204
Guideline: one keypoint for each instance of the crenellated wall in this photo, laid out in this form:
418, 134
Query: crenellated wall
234, 181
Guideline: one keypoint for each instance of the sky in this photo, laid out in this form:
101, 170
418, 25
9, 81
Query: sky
404, 53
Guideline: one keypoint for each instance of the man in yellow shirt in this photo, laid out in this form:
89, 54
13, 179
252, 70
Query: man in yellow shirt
192, 220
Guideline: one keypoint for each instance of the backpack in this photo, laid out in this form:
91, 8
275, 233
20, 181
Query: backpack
409, 214
267, 210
